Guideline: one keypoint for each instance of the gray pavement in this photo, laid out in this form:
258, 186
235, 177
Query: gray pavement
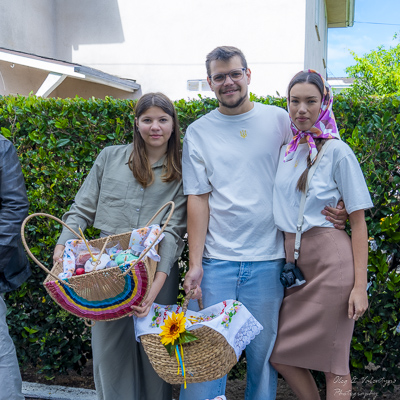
39, 391
53, 392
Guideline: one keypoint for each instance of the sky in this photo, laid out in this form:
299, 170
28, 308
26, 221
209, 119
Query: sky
384, 21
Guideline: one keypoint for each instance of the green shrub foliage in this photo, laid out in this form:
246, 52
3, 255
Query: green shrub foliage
371, 126
376, 72
58, 140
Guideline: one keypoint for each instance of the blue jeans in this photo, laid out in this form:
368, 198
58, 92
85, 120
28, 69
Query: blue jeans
10, 377
257, 286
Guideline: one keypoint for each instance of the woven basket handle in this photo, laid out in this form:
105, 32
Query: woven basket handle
169, 203
28, 249
186, 302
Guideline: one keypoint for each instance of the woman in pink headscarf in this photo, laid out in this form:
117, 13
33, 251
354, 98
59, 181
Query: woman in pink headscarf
317, 317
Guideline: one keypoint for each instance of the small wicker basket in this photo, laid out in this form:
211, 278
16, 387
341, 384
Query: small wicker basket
207, 358
106, 294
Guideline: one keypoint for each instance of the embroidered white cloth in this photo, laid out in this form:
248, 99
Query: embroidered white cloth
230, 318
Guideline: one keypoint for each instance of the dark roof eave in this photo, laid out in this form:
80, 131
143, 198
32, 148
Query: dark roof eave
102, 77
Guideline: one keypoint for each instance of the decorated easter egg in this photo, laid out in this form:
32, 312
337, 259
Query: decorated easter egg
111, 264
79, 271
124, 257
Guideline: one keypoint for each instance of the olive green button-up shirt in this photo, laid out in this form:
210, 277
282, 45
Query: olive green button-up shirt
113, 201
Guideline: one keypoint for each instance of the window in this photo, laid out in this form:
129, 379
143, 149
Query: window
198, 85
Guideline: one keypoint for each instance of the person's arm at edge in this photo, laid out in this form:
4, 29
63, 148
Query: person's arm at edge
358, 300
14, 201
197, 225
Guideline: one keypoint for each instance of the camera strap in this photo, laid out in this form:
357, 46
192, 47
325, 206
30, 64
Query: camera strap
303, 201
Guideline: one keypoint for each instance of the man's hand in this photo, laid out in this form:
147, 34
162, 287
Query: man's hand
338, 216
193, 280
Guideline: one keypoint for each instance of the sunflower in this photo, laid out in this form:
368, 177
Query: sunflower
173, 327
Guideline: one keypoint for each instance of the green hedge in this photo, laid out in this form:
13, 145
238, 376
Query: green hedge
58, 140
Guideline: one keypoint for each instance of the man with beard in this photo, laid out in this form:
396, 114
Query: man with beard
230, 159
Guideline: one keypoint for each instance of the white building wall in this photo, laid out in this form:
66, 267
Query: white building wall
163, 44
166, 43
56, 28
28, 26
316, 36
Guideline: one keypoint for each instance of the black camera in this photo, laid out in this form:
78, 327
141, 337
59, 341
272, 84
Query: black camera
291, 276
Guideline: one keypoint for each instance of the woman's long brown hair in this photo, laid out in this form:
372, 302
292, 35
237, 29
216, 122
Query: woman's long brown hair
138, 160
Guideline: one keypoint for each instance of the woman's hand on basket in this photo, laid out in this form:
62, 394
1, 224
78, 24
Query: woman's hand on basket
58, 253
142, 310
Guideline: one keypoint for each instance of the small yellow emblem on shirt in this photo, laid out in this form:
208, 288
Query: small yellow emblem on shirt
243, 133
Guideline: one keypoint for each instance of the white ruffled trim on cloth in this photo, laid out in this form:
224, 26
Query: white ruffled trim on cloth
246, 334
230, 318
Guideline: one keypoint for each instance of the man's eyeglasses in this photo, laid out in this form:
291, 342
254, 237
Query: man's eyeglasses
220, 78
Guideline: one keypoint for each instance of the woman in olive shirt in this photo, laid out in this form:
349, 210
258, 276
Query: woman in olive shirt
125, 187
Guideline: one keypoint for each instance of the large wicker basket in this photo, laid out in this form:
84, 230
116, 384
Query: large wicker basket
207, 358
106, 294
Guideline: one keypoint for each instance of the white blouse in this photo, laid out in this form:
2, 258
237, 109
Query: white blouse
337, 177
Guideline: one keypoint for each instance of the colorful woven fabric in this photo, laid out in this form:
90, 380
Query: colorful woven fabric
324, 128
81, 304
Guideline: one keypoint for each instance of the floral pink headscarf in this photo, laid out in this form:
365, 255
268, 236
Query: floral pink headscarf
324, 128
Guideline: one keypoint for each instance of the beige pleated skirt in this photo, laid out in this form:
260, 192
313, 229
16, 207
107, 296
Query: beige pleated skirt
314, 330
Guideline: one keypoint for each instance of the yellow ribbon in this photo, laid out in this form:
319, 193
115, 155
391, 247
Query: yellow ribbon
179, 363
177, 360
183, 365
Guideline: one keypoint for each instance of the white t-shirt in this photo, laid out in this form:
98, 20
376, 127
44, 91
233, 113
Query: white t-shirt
234, 158
338, 176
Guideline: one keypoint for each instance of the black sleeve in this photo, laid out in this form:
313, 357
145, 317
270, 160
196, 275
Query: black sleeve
13, 200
